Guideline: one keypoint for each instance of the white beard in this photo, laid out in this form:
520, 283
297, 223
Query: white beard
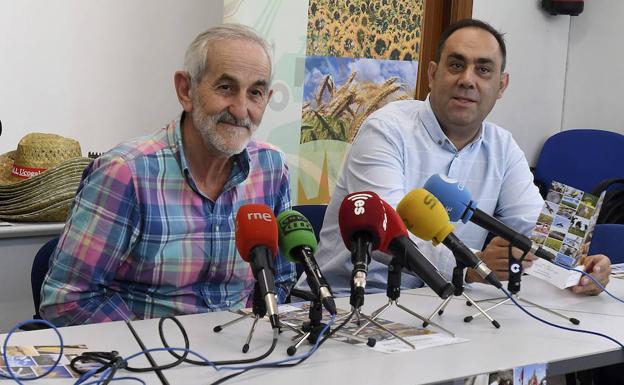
228, 142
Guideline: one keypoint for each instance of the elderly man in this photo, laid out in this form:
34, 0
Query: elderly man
402, 144
151, 232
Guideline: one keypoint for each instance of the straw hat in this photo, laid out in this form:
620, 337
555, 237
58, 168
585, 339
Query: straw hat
38, 181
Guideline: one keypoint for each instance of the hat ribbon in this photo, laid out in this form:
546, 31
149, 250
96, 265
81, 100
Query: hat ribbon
24, 172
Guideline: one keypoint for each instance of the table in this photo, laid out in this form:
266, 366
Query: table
520, 341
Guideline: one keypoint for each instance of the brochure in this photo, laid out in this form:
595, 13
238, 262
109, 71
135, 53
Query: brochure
297, 313
564, 227
31, 361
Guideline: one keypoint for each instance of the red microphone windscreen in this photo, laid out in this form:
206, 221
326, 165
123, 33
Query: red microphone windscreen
362, 212
396, 227
255, 226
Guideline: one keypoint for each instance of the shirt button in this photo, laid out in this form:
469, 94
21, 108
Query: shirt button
216, 228
440, 142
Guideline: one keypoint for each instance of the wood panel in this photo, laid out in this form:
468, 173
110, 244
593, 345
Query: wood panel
438, 15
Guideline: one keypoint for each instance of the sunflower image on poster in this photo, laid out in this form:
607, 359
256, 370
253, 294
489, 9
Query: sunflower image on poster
360, 55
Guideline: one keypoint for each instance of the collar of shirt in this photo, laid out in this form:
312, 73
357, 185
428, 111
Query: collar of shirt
240, 166
431, 124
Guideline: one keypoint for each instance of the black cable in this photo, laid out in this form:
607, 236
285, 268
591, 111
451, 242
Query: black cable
149, 357
106, 359
325, 338
214, 363
110, 359
119, 362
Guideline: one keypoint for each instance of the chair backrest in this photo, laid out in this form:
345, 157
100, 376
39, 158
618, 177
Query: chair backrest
612, 210
315, 214
40, 267
581, 158
607, 240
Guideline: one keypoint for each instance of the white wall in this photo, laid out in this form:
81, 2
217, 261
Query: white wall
595, 85
97, 71
565, 71
101, 71
537, 43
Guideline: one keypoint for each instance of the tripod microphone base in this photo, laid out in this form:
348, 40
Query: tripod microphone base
503, 300
470, 302
378, 325
494, 322
256, 317
310, 330
310, 334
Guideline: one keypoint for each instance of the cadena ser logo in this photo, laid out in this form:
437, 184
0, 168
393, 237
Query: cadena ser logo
430, 201
359, 201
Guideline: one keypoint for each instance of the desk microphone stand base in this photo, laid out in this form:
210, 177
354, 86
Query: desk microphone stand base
255, 317
503, 300
469, 302
259, 311
458, 282
310, 330
513, 286
360, 315
391, 302
393, 291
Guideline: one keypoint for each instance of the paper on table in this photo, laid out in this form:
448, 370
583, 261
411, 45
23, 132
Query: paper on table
421, 338
30, 361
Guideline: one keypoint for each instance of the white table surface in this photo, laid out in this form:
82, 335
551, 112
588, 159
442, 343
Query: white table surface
520, 341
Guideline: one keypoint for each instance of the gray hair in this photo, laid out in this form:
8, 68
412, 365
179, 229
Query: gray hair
196, 55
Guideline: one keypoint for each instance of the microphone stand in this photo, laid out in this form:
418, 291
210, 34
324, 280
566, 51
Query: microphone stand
359, 315
311, 329
513, 286
258, 311
393, 292
458, 282
356, 301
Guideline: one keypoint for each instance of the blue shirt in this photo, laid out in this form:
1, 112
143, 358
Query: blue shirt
395, 151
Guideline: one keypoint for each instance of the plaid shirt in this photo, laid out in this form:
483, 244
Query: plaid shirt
143, 242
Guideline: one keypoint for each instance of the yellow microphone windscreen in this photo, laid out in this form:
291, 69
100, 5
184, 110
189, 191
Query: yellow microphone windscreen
425, 216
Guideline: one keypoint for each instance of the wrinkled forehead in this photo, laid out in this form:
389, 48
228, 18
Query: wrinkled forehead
239, 52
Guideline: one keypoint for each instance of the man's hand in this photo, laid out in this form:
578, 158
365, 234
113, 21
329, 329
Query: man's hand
599, 266
496, 257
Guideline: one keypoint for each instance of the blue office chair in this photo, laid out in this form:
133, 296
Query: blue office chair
581, 158
607, 240
40, 267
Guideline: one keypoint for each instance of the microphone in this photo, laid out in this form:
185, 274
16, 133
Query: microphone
398, 243
297, 243
362, 222
457, 201
256, 242
425, 217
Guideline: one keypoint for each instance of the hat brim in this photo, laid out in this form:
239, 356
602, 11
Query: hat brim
37, 203
46, 197
56, 212
59, 177
9, 182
